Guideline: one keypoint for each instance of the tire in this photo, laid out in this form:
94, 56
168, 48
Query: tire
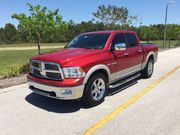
148, 70
95, 90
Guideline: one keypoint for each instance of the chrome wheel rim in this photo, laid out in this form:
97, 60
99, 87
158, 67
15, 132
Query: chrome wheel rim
98, 89
150, 68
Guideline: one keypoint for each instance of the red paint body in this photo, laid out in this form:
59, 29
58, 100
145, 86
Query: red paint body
87, 58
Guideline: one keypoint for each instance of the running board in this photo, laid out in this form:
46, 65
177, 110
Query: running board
112, 86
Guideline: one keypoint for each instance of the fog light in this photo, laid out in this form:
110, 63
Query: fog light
66, 92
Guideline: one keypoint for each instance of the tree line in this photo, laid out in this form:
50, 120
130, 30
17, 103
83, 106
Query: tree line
10, 34
49, 27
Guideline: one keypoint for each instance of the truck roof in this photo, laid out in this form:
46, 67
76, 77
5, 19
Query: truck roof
108, 31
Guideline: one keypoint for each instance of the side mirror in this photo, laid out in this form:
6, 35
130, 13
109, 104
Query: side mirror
120, 46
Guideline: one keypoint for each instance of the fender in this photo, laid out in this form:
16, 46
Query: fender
149, 54
95, 68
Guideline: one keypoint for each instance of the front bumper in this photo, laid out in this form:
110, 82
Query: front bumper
64, 93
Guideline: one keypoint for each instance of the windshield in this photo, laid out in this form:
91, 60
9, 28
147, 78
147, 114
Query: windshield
89, 41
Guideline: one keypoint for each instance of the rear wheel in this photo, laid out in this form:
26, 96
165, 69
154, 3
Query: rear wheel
95, 90
148, 70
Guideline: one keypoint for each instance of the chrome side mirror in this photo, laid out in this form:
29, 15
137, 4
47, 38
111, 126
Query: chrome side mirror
120, 46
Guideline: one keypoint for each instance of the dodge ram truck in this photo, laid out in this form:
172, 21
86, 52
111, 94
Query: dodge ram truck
90, 65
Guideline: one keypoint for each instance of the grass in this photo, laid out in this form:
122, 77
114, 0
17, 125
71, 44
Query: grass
15, 59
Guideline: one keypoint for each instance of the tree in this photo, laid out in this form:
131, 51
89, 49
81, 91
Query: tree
113, 15
143, 33
173, 31
23, 36
40, 22
9, 33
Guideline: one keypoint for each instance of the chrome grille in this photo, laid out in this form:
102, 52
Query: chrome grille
47, 70
51, 67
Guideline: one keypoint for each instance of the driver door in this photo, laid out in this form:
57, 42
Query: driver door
120, 56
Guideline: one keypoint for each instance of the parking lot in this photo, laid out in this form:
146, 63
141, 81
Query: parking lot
148, 106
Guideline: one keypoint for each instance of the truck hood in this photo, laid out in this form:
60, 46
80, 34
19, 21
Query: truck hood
67, 55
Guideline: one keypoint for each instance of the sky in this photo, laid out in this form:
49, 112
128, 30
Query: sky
148, 11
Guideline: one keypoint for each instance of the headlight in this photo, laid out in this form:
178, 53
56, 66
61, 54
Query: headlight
73, 72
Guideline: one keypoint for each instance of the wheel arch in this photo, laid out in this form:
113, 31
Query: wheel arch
150, 55
98, 68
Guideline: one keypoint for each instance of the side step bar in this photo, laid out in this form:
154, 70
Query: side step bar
114, 85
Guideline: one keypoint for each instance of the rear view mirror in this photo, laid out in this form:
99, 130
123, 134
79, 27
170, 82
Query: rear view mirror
120, 46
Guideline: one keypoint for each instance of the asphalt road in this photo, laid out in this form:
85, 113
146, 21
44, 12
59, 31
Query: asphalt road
156, 112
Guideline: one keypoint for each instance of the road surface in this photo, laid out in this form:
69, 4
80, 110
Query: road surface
154, 112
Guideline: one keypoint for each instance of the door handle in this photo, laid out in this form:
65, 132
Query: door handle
140, 51
126, 54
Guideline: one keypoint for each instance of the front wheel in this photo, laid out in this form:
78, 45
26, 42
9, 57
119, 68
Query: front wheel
95, 90
148, 70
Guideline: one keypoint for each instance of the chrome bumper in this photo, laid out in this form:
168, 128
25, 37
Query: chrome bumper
64, 93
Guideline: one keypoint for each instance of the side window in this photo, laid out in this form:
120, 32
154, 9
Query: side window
119, 38
131, 39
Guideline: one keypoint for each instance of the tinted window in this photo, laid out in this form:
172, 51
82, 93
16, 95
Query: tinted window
131, 40
119, 38
90, 41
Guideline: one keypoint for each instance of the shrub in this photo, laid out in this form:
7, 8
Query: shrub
15, 71
178, 43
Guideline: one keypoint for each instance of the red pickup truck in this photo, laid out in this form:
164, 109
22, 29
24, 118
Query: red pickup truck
90, 65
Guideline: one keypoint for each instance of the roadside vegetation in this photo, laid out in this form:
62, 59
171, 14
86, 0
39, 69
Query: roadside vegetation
15, 62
